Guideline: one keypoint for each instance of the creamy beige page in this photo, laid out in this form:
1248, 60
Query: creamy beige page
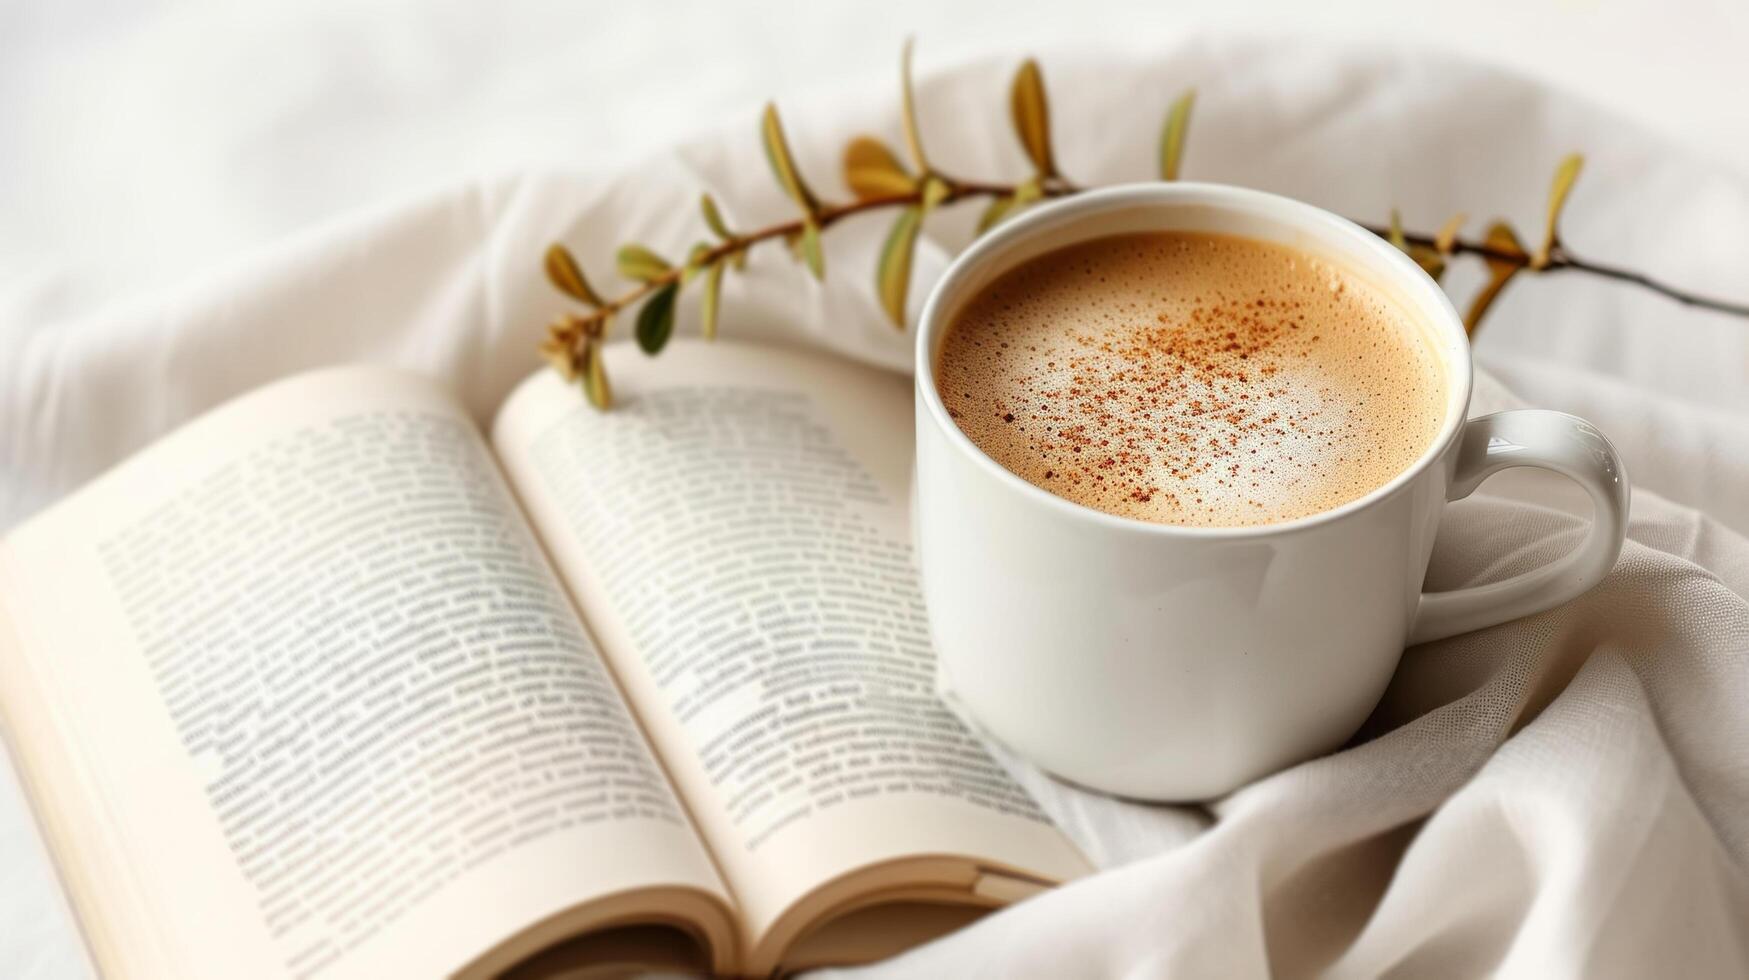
736, 532
450, 746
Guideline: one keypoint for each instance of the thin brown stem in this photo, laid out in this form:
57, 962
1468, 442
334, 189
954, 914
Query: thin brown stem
959, 190
1561, 259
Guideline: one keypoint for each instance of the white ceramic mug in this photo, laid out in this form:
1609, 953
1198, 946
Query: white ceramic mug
1179, 663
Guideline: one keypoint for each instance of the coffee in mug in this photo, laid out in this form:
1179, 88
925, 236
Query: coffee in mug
1194, 379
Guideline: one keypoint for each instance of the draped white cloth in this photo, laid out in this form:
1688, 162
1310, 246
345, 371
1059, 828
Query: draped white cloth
1565, 795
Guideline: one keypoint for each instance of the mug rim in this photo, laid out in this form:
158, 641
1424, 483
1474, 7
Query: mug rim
1453, 349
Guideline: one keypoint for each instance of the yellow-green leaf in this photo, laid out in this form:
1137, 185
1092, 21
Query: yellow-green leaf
908, 107
558, 352
1426, 257
694, 263
656, 319
994, 214
1565, 175
566, 274
1429, 259
935, 190
1500, 272
783, 165
812, 252
893, 275
1032, 117
713, 217
709, 303
1172, 137
872, 171
594, 373
1002, 208
1396, 233
1446, 240
1501, 239
637, 262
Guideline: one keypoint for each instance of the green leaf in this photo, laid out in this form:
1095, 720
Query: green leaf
783, 165
812, 252
637, 262
566, 274
1172, 138
1032, 117
893, 274
694, 262
594, 373
1500, 272
1565, 175
558, 349
1002, 208
1429, 259
1446, 240
1396, 233
709, 303
935, 190
714, 218
656, 319
908, 107
872, 171
994, 214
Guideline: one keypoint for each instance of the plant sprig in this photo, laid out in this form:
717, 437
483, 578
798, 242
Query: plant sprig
880, 181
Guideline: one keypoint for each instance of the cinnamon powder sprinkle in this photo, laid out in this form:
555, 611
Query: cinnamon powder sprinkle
1192, 379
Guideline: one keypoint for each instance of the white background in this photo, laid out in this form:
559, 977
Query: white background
141, 143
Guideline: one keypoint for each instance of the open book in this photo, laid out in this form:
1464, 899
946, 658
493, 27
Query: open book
328, 684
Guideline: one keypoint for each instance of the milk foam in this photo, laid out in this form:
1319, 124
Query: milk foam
1192, 379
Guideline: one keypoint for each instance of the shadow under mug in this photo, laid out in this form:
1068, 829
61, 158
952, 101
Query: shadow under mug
1179, 663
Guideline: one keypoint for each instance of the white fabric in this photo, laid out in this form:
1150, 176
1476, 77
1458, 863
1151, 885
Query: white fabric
1565, 795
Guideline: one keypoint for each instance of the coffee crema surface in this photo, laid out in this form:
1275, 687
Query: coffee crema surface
1192, 379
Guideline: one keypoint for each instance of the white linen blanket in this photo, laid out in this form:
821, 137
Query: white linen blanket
1565, 795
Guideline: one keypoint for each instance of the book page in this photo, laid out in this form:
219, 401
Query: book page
299, 695
736, 531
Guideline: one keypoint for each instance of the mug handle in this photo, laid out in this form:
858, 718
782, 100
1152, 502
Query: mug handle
1554, 441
